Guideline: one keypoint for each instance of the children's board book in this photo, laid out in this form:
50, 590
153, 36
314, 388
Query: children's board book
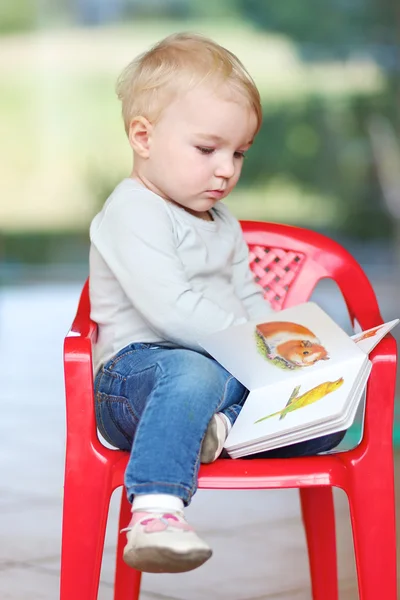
304, 374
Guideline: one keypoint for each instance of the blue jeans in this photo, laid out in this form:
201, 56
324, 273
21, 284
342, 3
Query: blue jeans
156, 403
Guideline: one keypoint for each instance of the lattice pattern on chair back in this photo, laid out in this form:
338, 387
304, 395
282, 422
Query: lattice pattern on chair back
275, 269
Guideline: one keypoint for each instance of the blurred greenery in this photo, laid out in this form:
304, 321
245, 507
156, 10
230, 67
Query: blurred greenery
324, 71
322, 146
332, 27
17, 16
325, 145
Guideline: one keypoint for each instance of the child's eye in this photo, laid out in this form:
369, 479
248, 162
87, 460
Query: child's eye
239, 154
205, 149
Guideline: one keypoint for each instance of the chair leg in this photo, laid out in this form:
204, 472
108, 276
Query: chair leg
372, 511
85, 514
319, 521
127, 580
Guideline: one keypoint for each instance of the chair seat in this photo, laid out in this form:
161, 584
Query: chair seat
259, 473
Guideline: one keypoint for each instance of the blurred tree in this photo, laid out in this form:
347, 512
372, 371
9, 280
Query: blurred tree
325, 144
331, 27
17, 16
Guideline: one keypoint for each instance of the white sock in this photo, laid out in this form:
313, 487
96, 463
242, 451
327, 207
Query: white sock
226, 421
223, 428
157, 503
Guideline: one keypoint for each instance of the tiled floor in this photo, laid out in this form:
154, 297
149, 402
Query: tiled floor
258, 540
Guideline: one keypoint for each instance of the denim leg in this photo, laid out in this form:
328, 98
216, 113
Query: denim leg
232, 411
157, 402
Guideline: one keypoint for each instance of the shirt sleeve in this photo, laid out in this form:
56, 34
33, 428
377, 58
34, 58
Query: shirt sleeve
138, 244
250, 293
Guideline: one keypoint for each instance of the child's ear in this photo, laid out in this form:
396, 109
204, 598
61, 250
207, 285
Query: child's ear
140, 131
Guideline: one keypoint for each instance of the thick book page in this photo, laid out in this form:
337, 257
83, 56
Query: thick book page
367, 340
279, 410
290, 345
311, 430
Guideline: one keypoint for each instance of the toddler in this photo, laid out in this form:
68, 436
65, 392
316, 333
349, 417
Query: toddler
167, 262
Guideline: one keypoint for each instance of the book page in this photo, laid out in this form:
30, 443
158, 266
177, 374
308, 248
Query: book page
312, 430
367, 340
290, 345
280, 410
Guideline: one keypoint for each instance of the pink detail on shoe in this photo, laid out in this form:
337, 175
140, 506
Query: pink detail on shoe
154, 525
136, 517
157, 524
177, 523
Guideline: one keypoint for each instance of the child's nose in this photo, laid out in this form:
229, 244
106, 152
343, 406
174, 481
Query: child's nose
225, 168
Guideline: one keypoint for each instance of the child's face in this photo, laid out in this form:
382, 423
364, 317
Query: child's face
196, 149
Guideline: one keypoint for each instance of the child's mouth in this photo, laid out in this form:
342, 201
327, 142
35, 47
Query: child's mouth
215, 193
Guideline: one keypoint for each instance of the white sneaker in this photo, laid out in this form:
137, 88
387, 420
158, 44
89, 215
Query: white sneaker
214, 439
163, 543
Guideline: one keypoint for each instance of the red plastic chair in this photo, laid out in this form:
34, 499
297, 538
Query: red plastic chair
287, 262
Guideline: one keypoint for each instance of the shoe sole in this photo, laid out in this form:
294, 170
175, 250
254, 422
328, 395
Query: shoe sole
164, 560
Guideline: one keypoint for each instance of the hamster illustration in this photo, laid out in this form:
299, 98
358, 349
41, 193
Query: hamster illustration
296, 345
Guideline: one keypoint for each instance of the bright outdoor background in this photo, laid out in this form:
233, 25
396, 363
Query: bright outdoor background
327, 156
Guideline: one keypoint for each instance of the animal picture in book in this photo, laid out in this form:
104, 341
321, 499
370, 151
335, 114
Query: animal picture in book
289, 345
367, 334
295, 401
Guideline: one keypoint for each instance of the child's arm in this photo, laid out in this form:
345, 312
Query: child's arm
136, 240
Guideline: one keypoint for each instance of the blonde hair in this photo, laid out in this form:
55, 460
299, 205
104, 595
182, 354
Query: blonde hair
176, 64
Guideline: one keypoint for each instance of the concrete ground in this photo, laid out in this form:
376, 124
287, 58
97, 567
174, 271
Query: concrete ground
257, 536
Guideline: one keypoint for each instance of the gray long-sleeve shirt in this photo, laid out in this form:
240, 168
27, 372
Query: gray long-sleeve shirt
159, 274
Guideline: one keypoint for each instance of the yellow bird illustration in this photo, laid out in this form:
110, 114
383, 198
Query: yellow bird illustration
313, 395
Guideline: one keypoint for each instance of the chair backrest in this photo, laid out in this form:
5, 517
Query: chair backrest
286, 261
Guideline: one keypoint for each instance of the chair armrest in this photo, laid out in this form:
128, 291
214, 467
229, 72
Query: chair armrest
83, 328
78, 368
381, 387
79, 388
